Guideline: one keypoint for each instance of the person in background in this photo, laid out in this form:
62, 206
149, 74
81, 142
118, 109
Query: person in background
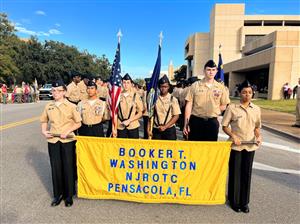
297, 123
4, 94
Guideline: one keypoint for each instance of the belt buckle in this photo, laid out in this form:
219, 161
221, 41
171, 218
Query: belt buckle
90, 125
205, 118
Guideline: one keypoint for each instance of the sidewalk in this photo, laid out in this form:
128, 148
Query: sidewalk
280, 123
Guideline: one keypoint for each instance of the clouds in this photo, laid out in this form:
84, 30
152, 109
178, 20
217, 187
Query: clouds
24, 30
21, 28
54, 31
40, 13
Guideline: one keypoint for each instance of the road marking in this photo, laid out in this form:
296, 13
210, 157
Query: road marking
272, 145
260, 166
18, 123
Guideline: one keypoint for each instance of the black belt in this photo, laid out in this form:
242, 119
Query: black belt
91, 125
205, 118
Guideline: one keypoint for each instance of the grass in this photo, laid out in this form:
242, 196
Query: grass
287, 106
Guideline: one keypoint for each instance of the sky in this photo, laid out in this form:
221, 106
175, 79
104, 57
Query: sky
92, 25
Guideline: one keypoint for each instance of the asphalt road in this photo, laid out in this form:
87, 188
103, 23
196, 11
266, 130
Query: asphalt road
26, 189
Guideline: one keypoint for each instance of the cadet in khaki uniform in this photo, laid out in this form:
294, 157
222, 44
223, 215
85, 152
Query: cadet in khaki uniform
83, 87
205, 101
73, 89
93, 112
166, 112
130, 111
102, 90
244, 131
64, 119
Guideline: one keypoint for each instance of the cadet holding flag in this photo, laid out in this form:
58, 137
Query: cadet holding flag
244, 120
93, 112
166, 112
130, 110
64, 119
205, 101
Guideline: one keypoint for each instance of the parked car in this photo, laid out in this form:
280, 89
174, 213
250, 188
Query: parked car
45, 92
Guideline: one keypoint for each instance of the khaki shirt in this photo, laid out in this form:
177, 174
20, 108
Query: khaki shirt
83, 92
243, 122
61, 118
126, 101
182, 96
93, 114
206, 100
177, 92
102, 91
162, 106
73, 92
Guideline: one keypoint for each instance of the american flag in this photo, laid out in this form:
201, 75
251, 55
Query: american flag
115, 86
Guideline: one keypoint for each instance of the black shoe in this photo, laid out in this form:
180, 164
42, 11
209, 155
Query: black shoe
68, 202
56, 201
235, 208
245, 209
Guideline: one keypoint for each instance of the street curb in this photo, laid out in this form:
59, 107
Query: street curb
281, 133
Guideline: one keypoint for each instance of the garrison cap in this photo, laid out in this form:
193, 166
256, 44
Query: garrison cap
58, 83
127, 77
163, 80
245, 84
91, 83
210, 63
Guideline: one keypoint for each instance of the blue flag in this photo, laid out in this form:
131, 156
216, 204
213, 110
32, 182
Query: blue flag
152, 89
220, 74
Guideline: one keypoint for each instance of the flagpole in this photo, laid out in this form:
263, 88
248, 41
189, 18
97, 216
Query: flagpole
151, 120
115, 120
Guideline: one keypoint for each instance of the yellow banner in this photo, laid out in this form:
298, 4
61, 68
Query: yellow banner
152, 171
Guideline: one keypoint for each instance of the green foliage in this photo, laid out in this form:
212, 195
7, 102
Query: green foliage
25, 60
141, 82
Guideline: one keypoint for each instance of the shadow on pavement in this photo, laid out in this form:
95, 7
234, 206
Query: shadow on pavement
40, 162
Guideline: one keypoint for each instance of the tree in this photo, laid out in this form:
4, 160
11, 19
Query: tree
25, 60
8, 68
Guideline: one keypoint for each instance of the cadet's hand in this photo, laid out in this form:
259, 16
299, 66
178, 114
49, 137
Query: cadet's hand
126, 123
186, 130
47, 134
64, 135
162, 128
114, 133
236, 140
259, 140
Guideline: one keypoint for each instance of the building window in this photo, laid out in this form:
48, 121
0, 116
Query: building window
273, 23
252, 23
292, 23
